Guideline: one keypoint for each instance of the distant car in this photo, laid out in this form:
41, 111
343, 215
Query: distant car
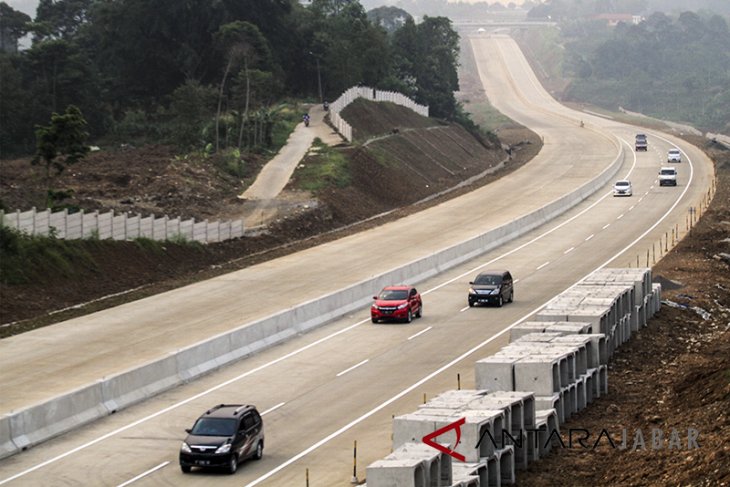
641, 143
401, 303
674, 155
622, 188
492, 287
223, 437
667, 176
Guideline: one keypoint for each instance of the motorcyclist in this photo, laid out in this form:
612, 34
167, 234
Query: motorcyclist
306, 119
326, 106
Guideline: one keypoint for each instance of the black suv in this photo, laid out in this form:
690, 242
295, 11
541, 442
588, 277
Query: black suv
495, 287
222, 437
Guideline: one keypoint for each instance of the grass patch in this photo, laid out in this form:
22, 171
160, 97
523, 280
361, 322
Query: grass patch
25, 259
324, 167
288, 115
487, 117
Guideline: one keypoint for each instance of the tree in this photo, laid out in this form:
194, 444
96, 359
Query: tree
61, 144
13, 26
389, 18
241, 42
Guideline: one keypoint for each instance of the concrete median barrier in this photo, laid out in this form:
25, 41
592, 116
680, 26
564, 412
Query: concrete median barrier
7, 447
139, 383
58, 415
41, 422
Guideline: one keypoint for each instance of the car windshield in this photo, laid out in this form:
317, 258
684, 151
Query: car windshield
674, 152
214, 427
488, 279
393, 294
622, 183
640, 136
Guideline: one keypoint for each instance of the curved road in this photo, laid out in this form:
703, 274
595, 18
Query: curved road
344, 381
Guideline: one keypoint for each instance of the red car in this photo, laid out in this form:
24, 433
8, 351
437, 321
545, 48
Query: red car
396, 303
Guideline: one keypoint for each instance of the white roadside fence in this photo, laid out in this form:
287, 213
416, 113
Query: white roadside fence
110, 225
369, 94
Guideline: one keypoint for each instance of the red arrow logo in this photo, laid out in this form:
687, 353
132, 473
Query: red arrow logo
428, 439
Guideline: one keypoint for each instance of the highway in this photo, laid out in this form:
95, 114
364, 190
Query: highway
342, 382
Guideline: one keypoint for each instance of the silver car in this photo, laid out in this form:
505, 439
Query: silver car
674, 155
622, 188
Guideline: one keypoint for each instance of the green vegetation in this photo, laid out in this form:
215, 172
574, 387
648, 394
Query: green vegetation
26, 258
326, 167
209, 74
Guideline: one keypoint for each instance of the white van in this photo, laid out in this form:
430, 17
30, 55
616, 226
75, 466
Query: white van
667, 176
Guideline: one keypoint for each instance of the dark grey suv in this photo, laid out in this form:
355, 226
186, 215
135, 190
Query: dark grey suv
222, 437
492, 287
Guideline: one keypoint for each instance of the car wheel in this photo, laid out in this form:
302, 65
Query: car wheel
185, 468
419, 313
374, 320
500, 301
471, 303
409, 316
259, 451
511, 296
233, 464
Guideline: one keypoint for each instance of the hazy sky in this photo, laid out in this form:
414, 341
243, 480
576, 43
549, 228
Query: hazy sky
25, 6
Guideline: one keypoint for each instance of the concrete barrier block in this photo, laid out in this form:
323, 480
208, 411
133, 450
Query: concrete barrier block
548, 426
139, 383
496, 373
603, 379
552, 401
582, 398
41, 422
469, 471
7, 447
526, 328
506, 465
540, 375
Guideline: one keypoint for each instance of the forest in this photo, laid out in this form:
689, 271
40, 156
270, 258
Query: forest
675, 67
197, 73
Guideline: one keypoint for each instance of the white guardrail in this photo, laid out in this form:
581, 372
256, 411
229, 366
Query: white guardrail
372, 94
65, 225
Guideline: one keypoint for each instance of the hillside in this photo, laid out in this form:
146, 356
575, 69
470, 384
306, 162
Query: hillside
381, 178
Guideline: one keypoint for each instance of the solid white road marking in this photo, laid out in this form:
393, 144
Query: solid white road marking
353, 367
419, 333
272, 408
144, 474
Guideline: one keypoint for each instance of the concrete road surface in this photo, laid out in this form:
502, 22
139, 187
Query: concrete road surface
343, 382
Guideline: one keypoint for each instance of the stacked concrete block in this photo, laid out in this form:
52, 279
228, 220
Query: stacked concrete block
480, 424
412, 465
470, 471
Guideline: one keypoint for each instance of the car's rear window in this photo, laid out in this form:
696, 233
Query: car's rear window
393, 294
622, 183
667, 172
488, 279
214, 427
